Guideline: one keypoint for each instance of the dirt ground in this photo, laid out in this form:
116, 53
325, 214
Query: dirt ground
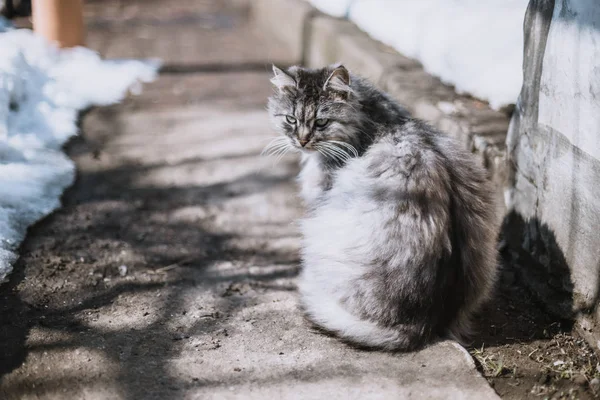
526, 353
170, 271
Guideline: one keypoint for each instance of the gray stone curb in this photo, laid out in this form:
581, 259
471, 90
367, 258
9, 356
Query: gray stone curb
317, 39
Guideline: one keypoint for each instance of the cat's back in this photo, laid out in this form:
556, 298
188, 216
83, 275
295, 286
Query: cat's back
400, 182
406, 159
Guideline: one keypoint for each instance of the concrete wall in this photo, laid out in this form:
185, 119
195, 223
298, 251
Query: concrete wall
553, 145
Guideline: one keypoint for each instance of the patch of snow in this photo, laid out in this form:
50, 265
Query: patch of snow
337, 8
472, 44
42, 90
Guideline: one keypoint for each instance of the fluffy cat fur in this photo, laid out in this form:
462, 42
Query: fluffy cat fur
400, 229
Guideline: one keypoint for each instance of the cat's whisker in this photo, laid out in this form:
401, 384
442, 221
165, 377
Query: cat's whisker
321, 150
275, 145
280, 157
331, 152
275, 151
279, 151
341, 155
275, 140
348, 146
289, 149
351, 148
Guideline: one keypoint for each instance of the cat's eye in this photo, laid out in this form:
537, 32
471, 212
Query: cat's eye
290, 119
321, 122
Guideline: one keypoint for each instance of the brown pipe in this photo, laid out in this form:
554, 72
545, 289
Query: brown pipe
59, 21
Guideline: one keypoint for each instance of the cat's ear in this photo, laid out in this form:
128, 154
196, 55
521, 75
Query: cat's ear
282, 79
339, 81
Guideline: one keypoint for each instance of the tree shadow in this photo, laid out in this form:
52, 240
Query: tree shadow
70, 268
534, 293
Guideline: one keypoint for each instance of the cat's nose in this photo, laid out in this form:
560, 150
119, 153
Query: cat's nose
303, 142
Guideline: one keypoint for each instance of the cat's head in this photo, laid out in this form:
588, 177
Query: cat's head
316, 110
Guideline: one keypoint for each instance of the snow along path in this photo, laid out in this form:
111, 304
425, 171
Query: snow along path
42, 89
475, 45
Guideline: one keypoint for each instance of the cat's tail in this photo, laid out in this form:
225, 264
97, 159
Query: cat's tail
332, 317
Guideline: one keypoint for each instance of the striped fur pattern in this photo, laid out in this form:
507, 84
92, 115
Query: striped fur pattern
400, 227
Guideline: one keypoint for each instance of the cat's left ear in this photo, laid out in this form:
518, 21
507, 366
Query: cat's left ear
282, 79
339, 81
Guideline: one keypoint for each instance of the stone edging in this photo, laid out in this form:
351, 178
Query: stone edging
317, 39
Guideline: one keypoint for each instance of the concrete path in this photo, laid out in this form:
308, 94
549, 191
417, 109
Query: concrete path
170, 273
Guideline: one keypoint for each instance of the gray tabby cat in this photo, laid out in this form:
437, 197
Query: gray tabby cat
399, 236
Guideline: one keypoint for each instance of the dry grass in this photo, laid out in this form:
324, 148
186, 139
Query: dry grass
562, 367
